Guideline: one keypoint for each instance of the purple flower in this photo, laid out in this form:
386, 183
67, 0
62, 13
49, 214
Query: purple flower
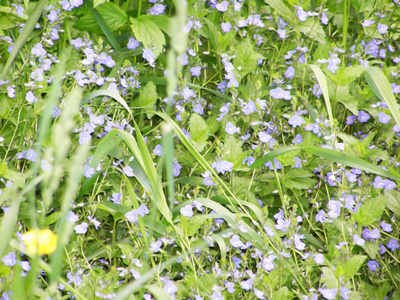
11, 92
296, 121
373, 265
359, 241
230, 287
128, 171
236, 242
301, 14
393, 245
328, 293
363, 116
177, 169
149, 56
249, 108
334, 207
386, 227
222, 166
196, 71
187, 211
72, 217
170, 288
264, 137
319, 259
132, 44
231, 129
298, 139
384, 118
158, 150
155, 246
298, 243
378, 182
367, 23
350, 120
247, 284
268, 263
279, 93
30, 97
222, 7
10, 259
82, 228
31, 155
157, 9
324, 19
226, 27
38, 50
382, 28
281, 33
290, 72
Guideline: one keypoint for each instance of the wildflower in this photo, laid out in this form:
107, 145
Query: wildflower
264, 137
324, 19
344, 292
230, 287
30, 97
382, 29
367, 23
196, 71
40, 241
226, 27
149, 56
296, 121
155, 246
282, 34
187, 211
363, 117
157, 9
158, 150
386, 227
298, 139
359, 241
82, 228
319, 259
236, 242
268, 263
328, 293
207, 179
177, 169
393, 245
222, 166
249, 108
222, 7
231, 129
384, 118
373, 265
290, 72
10, 259
132, 44
10, 92
72, 217
279, 93
170, 288
247, 284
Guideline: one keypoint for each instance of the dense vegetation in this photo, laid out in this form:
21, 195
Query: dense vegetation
199, 149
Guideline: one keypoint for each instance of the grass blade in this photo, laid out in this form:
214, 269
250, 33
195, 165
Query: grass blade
331, 155
380, 86
25, 34
324, 88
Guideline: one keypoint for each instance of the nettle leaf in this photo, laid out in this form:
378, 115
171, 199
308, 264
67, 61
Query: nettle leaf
352, 265
299, 179
393, 201
232, 151
246, 59
371, 210
281, 9
344, 96
198, 132
329, 278
112, 14
371, 248
98, 2
148, 98
346, 75
147, 32
312, 29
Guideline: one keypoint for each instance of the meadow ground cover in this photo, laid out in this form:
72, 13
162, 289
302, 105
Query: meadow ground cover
199, 149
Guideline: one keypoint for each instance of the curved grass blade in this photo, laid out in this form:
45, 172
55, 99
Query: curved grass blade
103, 93
104, 27
163, 81
8, 223
25, 34
380, 86
324, 88
331, 155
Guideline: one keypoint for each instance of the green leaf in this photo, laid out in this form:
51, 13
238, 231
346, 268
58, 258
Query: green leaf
147, 32
311, 28
148, 96
332, 155
372, 249
393, 201
371, 211
232, 151
329, 278
118, 211
112, 14
353, 264
343, 96
299, 183
348, 74
163, 22
246, 59
198, 132
98, 2
282, 294
380, 86
281, 9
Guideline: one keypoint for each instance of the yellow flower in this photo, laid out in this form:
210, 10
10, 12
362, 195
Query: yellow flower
40, 241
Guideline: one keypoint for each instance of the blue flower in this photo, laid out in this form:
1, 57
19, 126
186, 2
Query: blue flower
223, 6
373, 265
247, 284
328, 293
363, 117
82, 228
296, 121
222, 166
157, 9
386, 227
226, 27
279, 93
10, 259
290, 72
187, 211
393, 245
132, 44
382, 28
384, 118
158, 150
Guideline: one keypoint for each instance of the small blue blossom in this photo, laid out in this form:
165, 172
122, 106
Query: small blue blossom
247, 284
359, 241
222, 7
177, 169
226, 27
187, 211
382, 28
393, 245
128, 171
268, 263
231, 129
373, 265
296, 121
319, 259
363, 116
279, 93
132, 44
158, 150
384, 118
386, 227
328, 293
290, 72
157, 9
82, 228
10, 259
367, 23
170, 288
222, 166
155, 246
149, 56
196, 71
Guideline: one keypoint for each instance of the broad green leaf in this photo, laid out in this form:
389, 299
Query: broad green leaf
246, 59
372, 249
222, 246
147, 32
163, 22
281, 294
112, 15
118, 211
380, 86
371, 210
281, 9
98, 2
198, 132
148, 96
352, 265
232, 151
332, 155
313, 29
299, 183
329, 278
348, 74
344, 96
393, 201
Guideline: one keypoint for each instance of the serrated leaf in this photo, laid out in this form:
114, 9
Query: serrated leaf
393, 201
147, 32
353, 264
281, 9
371, 211
232, 151
198, 132
112, 14
118, 211
246, 59
312, 29
344, 96
98, 2
299, 183
329, 278
162, 22
282, 294
372, 249
148, 96
348, 74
